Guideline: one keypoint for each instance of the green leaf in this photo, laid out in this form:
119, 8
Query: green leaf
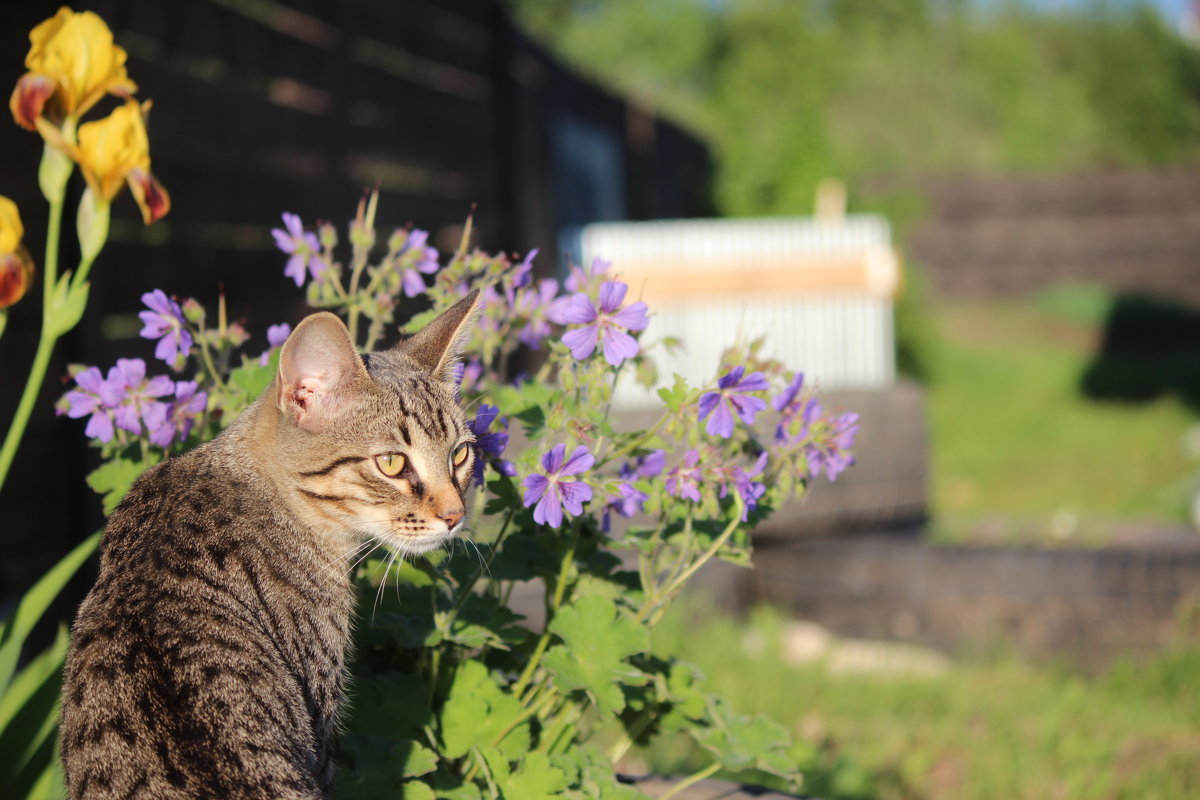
533, 779
596, 641
34, 603
112, 479
252, 378
483, 621
741, 743
28, 719
503, 496
477, 712
417, 790
677, 395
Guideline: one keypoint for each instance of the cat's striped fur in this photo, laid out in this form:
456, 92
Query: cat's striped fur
209, 659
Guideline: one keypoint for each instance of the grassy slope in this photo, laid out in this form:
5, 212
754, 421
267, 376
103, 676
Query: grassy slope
1013, 435
984, 730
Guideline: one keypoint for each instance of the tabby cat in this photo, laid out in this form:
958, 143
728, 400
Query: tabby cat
209, 659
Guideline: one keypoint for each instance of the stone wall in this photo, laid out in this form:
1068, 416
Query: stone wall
1089, 605
1131, 231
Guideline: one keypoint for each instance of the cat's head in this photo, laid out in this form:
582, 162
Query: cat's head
376, 444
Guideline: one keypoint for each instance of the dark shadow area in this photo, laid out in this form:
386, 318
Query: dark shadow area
1150, 348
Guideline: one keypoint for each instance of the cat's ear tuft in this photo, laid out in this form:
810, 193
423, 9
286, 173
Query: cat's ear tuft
437, 347
320, 374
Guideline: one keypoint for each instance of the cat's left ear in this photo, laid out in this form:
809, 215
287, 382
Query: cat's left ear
437, 347
320, 373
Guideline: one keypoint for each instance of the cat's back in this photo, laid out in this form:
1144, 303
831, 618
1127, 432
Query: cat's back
207, 659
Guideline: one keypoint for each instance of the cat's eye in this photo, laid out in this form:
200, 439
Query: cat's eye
460, 454
391, 464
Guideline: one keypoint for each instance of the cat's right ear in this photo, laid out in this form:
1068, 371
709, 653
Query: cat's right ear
320, 374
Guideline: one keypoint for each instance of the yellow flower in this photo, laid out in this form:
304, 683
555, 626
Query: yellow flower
16, 268
114, 151
72, 63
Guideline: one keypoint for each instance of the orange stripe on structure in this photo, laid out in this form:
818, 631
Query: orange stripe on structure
665, 283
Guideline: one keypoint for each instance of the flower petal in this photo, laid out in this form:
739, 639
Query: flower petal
577, 310
582, 341
553, 460
580, 461
149, 194
618, 346
721, 422
29, 98
549, 510
612, 294
574, 495
535, 487
633, 317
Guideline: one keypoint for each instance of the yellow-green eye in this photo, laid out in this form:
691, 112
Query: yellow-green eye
391, 464
460, 454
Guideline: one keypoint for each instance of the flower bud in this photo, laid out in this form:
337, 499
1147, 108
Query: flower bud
16, 273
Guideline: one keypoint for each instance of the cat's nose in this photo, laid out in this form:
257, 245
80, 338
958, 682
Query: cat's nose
451, 516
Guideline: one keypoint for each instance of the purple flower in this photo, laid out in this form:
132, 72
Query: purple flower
832, 440
164, 321
534, 303
168, 422
490, 444
578, 279
627, 502
606, 326
418, 258
792, 405
303, 248
87, 400
743, 483
730, 397
551, 493
129, 394
521, 275
647, 466
684, 479
276, 336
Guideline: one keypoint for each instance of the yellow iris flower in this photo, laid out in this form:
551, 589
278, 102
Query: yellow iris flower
16, 268
72, 63
115, 151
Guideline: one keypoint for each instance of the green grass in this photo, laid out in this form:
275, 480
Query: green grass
986, 729
1014, 437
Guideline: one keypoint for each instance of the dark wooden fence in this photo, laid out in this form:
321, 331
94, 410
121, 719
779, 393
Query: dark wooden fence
262, 107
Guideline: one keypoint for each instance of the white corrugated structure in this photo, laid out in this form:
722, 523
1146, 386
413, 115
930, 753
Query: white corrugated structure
821, 291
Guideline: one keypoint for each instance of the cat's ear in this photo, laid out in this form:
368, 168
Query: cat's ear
320, 374
437, 347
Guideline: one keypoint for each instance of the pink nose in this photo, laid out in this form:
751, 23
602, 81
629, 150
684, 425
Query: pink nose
451, 516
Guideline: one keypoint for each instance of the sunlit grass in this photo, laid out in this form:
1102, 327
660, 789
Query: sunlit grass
1013, 434
984, 729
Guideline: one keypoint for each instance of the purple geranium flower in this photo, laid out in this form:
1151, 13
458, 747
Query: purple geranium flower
731, 396
831, 444
647, 466
164, 321
418, 258
627, 502
303, 248
129, 394
490, 444
534, 303
792, 405
276, 336
743, 483
551, 493
87, 400
684, 479
167, 422
578, 280
606, 326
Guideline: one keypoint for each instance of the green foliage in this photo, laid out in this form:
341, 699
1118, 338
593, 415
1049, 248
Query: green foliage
792, 91
991, 728
1012, 433
29, 696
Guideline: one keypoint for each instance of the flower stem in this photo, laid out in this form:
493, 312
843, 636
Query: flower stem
41, 359
677, 583
559, 589
695, 777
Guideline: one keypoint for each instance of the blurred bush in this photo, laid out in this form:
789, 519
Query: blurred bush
791, 91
